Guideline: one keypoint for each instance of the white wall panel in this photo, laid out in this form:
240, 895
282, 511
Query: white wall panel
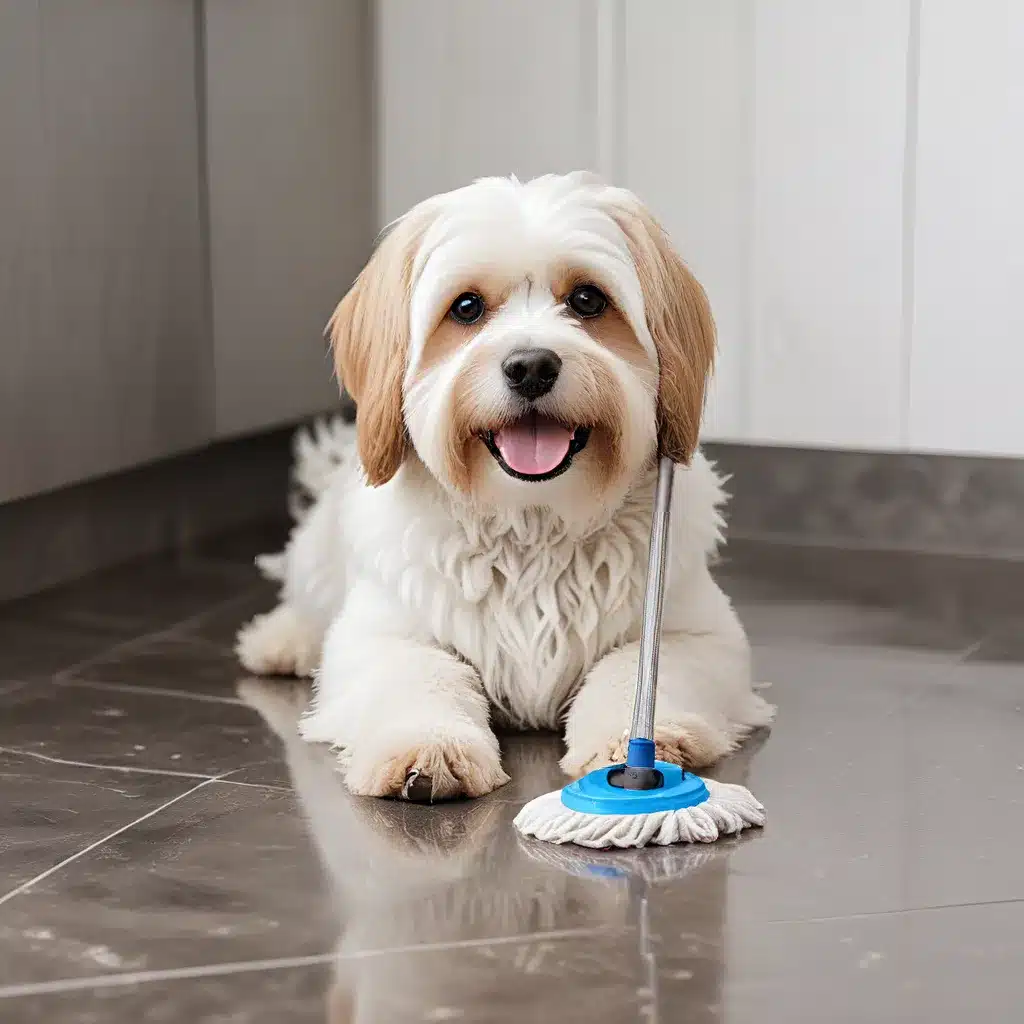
770, 138
967, 358
686, 148
829, 140
843, 178
479, 87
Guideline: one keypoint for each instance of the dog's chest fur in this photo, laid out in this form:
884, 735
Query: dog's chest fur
530, 607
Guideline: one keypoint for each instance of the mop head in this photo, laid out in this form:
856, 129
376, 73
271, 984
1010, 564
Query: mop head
595, 814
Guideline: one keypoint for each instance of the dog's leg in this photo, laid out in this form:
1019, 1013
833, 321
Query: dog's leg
281, 643
705, 704
288, 640
399, 707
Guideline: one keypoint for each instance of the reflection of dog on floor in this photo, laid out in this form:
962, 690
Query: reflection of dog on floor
428, 883
519, 353
425, 882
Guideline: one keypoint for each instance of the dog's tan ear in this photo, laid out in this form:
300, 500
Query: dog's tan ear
679, 319
369, 334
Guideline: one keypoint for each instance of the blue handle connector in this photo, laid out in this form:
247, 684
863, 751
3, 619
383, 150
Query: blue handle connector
640, 754
596, 794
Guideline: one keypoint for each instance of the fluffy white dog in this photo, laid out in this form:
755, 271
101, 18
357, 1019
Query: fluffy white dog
519, 354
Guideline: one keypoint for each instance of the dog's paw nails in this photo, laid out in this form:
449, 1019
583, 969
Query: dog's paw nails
426, 769
418, 787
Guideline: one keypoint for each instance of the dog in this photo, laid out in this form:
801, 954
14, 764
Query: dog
476, 550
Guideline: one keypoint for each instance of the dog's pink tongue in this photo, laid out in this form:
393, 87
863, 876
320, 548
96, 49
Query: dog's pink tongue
534, 445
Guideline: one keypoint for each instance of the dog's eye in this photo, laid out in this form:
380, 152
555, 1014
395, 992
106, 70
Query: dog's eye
467, 308
587, 300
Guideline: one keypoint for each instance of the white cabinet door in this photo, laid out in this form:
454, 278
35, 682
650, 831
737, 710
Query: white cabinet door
470, 88
967, 357
290, 191
686, 150
830, 85
770, 138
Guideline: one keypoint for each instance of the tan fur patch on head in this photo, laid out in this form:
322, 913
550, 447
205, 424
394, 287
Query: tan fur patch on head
447, 338
370, 337
611, 331
564, 278
679, 319
601, 407
450, 335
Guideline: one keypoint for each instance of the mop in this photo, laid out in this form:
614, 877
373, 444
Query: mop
644, 801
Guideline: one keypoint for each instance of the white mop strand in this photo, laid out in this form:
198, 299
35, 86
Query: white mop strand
728, 809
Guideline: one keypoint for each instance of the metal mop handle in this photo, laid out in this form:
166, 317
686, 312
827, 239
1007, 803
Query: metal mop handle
641, 733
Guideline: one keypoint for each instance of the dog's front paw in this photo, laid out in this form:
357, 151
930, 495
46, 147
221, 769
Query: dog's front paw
432, 765
689, 742
280, 643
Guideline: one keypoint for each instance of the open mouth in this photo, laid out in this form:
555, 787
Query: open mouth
535, 447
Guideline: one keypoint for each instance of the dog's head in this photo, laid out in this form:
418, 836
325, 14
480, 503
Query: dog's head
532, 344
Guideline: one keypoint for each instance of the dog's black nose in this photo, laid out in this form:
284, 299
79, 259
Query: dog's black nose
531, 372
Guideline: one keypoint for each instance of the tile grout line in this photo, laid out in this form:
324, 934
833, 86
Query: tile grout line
282, 963
224, 779
934, 908
155, 634
26, 886
218, 606
154, 691
266, 786
126, 769
63, 676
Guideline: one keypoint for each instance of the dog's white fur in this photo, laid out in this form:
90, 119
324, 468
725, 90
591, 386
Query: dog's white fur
452, 591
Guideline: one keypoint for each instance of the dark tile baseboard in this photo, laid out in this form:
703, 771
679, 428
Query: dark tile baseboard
939, 504
173, 505
785, 498
969, 595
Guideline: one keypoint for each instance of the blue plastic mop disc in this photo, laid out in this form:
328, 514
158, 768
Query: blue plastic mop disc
594, 794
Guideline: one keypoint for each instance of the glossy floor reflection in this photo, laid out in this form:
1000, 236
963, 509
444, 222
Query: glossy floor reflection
170, 851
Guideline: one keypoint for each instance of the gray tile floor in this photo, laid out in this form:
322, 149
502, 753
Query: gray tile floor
169, 850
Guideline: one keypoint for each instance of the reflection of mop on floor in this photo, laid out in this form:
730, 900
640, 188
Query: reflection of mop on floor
639, 872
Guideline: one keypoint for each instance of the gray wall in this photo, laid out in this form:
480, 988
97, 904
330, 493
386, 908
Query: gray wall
104, 336
117, 343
